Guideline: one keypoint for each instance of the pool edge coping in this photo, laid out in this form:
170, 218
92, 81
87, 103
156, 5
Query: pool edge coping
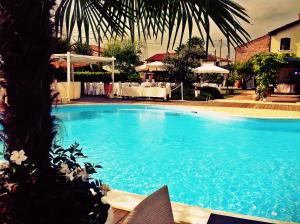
190, 109
182, 212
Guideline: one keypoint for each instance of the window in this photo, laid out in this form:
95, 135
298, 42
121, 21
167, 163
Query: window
285, 44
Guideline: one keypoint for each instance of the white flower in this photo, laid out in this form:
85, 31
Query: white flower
70, 176
64, 168
18, 157
83, 174
93, 191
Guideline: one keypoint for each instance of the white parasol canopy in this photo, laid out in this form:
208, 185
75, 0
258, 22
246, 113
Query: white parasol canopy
210, 68
151, 67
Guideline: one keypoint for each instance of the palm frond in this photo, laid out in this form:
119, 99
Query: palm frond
169, 19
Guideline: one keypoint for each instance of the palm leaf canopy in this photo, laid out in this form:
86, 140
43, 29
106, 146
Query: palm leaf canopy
151, 19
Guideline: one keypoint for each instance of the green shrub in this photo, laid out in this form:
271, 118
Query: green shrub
188, 93
89, 76
67, 195
211, 92
134, 78
215, 78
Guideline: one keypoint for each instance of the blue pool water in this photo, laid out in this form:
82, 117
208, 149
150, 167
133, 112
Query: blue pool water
248, 166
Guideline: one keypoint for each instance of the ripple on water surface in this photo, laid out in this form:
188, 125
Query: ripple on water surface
248, 166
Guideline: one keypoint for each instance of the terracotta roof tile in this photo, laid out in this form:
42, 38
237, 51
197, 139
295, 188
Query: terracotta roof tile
160, 56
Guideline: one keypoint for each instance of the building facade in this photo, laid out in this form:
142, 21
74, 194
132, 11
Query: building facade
246, 51
286, 39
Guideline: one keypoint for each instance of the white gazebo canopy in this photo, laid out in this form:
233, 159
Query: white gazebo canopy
152, 66
109, 69
75, 58
210, 68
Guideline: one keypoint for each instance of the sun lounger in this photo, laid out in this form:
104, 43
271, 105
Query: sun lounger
155, 209
222, 219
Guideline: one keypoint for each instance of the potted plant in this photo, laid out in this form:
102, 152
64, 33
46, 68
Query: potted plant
256, 96
266, 66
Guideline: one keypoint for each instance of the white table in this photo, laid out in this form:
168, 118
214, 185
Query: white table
62, 88
156, 92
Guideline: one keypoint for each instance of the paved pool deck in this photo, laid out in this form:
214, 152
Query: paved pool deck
242, 108
124, 202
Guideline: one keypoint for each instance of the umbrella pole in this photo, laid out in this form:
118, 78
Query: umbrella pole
182, 91
68, 75
113, 79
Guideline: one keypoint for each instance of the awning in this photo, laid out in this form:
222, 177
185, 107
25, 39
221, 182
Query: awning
74, 59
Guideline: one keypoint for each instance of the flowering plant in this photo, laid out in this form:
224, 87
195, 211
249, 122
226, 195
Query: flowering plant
67, 195
18, 157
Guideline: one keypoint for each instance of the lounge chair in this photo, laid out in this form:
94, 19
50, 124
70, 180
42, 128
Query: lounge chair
155, 209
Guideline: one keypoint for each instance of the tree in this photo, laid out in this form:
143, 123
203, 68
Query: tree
61, 46
28, 126
127, 54
81, 48
266, 67
188, 56
33, 185
244, 72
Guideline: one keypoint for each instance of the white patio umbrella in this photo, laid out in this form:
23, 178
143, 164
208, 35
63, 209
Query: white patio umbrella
151, 67
210, 68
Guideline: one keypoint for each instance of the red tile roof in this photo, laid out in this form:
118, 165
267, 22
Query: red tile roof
160, 56
96, 50
211, 57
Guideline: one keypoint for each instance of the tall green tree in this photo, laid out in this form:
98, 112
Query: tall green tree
82, 48
26, 40
266, 67
187, 56
127, 54
61, 46
243, 72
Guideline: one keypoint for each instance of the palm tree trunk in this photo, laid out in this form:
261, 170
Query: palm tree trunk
25, 40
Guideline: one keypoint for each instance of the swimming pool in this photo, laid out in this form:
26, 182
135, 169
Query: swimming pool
248, 166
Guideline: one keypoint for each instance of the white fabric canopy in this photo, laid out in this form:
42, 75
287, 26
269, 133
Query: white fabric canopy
109, 69
153, 66
75, 58
210, 68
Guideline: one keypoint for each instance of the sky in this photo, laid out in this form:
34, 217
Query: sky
265, 15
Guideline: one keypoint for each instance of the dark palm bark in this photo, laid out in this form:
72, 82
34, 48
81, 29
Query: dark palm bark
25, 40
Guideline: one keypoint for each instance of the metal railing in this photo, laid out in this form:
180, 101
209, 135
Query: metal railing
181, 89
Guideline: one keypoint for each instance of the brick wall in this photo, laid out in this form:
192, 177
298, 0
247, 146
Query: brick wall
245, 52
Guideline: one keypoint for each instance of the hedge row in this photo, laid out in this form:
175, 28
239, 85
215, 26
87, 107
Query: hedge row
97, 77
